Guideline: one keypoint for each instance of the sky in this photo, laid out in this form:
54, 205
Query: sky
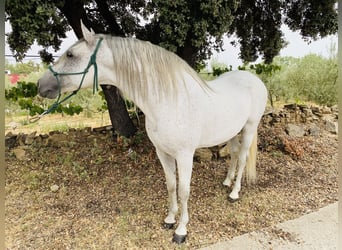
297, 47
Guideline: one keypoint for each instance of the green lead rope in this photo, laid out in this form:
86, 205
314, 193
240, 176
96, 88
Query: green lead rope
92, 62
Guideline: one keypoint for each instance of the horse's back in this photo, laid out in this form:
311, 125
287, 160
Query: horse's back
244, 83
238, 79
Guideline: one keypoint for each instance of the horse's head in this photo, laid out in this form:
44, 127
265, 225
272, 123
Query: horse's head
77, 67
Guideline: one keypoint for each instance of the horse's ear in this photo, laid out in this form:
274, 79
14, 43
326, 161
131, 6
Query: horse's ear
88, 35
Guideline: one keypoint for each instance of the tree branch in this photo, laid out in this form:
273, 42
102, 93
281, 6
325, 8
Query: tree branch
114, 27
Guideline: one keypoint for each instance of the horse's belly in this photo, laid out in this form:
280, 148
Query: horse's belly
173, 136
223, 117
217, 130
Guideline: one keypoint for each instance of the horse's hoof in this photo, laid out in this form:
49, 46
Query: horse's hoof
179, 239
232, 200
168, 226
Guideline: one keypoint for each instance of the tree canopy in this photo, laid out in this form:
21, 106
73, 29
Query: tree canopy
192, 29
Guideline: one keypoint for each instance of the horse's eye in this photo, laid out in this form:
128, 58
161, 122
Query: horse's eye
69, 54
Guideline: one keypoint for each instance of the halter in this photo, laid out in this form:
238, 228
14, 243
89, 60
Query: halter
92, 62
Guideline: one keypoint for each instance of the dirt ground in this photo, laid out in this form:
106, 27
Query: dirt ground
94, 192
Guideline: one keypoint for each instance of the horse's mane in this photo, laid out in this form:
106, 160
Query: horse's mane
138, 64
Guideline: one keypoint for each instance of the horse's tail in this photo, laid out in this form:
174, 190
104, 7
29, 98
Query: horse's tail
251, 175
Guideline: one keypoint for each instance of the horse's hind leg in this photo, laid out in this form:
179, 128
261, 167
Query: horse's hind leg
169, 166
247, 137
234, 148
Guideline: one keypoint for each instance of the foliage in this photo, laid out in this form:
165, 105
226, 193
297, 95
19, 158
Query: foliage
23, 68
255, 34
257, 24
266, 72
312, 78
22, 90
25, 94
192, 29
34, 20
219, 68
313, 18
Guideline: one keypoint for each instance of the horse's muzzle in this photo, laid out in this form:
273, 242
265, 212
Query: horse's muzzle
45, 91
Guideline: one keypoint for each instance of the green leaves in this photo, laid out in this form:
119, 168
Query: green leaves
23, 90
192, 29
267, 69
313, 18
25, 94
312, 78
34, 20
69, 109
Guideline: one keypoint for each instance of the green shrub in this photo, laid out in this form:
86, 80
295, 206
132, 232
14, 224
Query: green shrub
313, 78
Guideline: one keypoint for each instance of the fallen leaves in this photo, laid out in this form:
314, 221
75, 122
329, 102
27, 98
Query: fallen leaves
112, 194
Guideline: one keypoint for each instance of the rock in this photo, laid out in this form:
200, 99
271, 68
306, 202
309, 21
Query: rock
203, 154
38, 139
10, 140
307, 112
30, 138
103, 129
223, 151
19, 153
13, 125
44, 136
303, 106
326, 110
331, 126
294, 130
269, 111
334, 109
58, 140
21, 138
267, 119
292, 106
54, 188
314, 130
316, 111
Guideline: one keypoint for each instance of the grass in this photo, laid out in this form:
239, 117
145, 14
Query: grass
53, 122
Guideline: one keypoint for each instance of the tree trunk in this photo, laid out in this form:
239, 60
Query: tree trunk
119, 117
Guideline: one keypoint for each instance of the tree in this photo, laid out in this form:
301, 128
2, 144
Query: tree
257, 24
192, 29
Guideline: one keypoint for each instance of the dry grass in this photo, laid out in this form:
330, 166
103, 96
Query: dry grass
112, 194
21, 124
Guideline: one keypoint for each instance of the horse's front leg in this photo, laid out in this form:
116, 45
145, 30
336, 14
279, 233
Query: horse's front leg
169, 166
184, 167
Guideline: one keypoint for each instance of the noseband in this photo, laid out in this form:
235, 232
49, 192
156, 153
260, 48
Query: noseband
92, 62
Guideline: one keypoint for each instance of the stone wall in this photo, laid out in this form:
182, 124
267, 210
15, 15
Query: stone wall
294, 120
307, 116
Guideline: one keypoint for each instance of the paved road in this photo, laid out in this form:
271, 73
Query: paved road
317, 230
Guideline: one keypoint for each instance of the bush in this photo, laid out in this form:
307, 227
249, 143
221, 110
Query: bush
312, 78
